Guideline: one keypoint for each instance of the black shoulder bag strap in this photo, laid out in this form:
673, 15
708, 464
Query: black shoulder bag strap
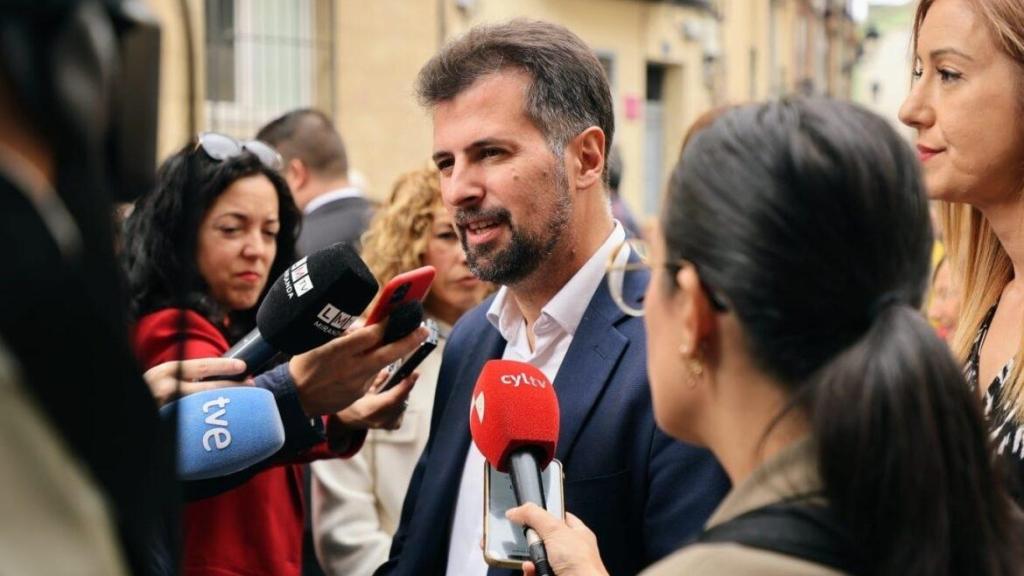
797, 529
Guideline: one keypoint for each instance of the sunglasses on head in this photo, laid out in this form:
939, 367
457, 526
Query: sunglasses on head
220, 147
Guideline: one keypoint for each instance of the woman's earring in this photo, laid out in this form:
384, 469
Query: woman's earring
693, 363
696, 367
684, 349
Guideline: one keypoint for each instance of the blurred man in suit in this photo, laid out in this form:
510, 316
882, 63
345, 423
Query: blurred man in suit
316, 168
87, 478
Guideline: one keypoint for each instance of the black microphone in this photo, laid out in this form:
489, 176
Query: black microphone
312, 302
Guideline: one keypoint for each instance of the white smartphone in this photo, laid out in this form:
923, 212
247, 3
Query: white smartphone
504, 542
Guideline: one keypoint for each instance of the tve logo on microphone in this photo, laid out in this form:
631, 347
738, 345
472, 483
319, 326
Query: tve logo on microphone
208, 447
523, 379
220, 435
296, 280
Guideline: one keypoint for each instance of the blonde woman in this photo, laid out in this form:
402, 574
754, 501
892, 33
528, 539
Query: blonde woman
357, 502
967, 105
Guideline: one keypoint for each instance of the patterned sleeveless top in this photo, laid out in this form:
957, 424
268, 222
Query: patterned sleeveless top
1005, 430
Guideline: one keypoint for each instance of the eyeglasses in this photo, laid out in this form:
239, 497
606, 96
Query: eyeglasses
620, 264
220, 147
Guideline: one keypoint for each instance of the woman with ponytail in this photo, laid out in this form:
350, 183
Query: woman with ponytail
783, 333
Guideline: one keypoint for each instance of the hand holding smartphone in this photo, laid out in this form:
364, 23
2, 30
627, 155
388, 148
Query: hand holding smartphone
401, 369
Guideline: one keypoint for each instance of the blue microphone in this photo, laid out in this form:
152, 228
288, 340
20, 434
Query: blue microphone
225, 430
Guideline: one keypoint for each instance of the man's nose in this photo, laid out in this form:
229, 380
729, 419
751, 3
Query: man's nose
463, 186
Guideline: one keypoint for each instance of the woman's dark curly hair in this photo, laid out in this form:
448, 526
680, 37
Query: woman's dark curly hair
162, 232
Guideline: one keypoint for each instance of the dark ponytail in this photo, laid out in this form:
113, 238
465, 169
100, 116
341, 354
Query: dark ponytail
904, 457
810, 219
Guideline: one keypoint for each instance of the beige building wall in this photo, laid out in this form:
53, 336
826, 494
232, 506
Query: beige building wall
174, 126
678, 38
747, 49
381, 46
844, 39
787, 64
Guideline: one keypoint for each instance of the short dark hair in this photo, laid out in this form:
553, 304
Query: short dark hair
614, 163
309, 135
162, 231
568, 92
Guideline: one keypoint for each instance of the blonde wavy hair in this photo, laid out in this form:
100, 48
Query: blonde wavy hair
980, 265
397, 237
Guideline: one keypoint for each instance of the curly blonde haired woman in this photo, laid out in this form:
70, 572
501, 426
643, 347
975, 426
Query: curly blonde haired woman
357, 502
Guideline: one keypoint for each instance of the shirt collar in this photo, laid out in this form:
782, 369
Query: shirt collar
327, 197
567, 306
443, 328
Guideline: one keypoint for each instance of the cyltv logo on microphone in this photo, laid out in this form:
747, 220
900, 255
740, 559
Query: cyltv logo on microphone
523, 379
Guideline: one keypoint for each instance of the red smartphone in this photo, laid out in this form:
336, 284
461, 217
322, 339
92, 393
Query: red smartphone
406, 287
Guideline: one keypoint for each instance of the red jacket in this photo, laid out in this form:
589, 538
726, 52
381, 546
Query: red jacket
255, 528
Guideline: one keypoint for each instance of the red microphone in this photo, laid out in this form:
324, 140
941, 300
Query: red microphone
513, 419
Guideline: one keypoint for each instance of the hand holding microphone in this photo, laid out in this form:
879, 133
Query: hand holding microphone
226, 430
311, 303
306, 312
174, 379
571, 546
513, 420
221, 430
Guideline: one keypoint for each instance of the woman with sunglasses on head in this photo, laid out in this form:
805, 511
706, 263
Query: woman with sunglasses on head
967, 105
851, 441
219, 226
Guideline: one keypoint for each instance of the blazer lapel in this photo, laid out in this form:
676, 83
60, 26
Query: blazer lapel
591, 359
452, 443
455, 420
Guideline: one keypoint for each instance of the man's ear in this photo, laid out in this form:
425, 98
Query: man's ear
296, 174
588, 157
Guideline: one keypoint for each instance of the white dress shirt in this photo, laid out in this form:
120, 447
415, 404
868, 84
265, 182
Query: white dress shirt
553, 332
328, 197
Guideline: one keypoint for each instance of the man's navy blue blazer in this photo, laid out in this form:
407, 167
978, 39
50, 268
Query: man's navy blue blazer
641, 492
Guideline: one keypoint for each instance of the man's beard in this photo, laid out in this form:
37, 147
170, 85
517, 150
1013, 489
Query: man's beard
525, 252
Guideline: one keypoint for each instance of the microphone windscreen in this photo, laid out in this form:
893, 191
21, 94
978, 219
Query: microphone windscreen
514, 406
402, 320
316, 299
225, 430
